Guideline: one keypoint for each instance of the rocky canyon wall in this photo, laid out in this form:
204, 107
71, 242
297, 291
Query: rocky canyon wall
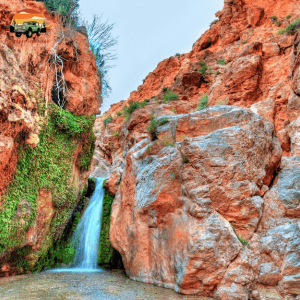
45, 152
207, 200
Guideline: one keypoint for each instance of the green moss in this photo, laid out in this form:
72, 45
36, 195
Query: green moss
105, 248
48, 166
86, 155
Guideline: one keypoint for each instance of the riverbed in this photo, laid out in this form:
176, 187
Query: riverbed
106, 285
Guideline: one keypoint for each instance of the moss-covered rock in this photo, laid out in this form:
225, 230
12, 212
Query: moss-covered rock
66, 140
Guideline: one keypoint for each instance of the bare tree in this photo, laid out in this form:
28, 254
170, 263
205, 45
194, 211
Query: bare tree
101, 43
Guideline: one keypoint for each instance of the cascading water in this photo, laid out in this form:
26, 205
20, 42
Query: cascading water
86, 237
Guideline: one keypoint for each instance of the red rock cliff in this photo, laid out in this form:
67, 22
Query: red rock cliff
208, 203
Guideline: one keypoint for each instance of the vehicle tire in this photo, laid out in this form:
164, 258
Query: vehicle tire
38, 33
12, 29
18, 34
29, 33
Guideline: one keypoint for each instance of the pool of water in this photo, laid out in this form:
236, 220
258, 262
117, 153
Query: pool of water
106, 285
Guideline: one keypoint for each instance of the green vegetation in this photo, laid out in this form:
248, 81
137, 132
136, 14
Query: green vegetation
47, 167
221, 62
164, 89
115, 133
214, 22
133, 105
278, 23
203, 68
241, 239
292, 28
209, 39
108, 120
174, 110
153, 125
170, 96
105, 249
119, 113
185, 159
167, 140
218, 72
245, 41
163, 121
273, 18
203, 102
288, 17
222, 102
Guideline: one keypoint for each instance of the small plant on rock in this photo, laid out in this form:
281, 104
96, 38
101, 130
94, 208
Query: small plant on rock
152, 126
203, 68
288, 17
273, 18
278, 23
115, 134
203, 102
222, 102
174, 110
164, 89
133, 105
119, 113
221, 62
163, 121
245, 41
292, 28
209, 39
107, 120
241, 239
213, 22
185, 159
170, 96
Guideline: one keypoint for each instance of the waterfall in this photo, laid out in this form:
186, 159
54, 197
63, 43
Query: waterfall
86, 237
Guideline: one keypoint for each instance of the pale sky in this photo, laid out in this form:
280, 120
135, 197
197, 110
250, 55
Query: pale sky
148, 31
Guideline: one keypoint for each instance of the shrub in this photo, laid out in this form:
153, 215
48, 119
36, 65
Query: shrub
147, 100
209, 39
177, 54
213, 22
245, 41
278, 23
174, 110
185, 159
153, 124
107, 120
115, 133
164, 89
203, 68
288, 17
273, 18
217, 73
221, 62
119, 113
163, 121
133, 105
203, 102
170, 96
291, 28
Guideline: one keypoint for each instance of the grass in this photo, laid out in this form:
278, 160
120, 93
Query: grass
170, 96
203, 68
133, 105
221, 62
167, 141
245, 41
115, 134
203, 102
273, 18
153, 125
241, 239
108, 120
292, 28
185, 159
174, 110
222, 102
213, 22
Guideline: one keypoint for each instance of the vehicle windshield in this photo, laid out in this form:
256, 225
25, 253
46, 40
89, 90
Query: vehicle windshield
29, 23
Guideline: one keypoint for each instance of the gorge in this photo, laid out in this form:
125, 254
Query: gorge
202, 161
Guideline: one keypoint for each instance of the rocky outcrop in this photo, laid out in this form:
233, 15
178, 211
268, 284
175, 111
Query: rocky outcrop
45, 152
207, 199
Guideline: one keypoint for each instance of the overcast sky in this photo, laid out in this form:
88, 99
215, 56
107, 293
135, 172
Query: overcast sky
148, 31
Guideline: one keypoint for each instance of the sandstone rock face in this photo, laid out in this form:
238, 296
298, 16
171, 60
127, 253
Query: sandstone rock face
208, 203
168, 217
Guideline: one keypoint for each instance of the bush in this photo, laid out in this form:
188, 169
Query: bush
241, 239
164, 89
291, 28
115, 134
153, 125
170, 96
119, 113
288, 17
107, 120
133, 105
185, 159
203, 102
203, 68
278, 23
217, 73
221, 62
163, 121
273, 18
213, 22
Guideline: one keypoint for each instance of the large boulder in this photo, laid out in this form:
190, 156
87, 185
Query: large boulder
179, 195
